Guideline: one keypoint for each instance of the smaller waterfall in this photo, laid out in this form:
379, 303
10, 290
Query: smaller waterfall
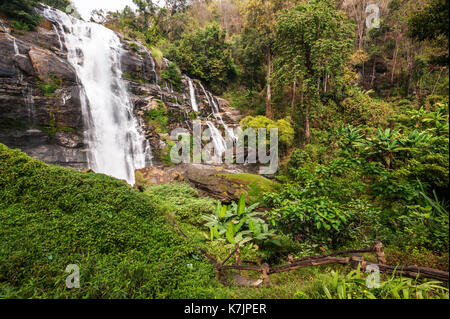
61, 47
154, 69
216, 112
219, 142
192, 93
16, 48
29, 102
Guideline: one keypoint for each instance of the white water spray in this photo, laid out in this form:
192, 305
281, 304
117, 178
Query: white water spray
218, 141
116, 144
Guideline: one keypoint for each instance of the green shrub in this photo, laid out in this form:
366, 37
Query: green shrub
158, 117
133, 46
173, 76
182, 201
239, 224
286, 132
49, 88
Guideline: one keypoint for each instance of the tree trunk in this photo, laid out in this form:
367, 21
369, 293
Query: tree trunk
395, 59
294, 88
307, 128
300, 86
372, 78
269, 85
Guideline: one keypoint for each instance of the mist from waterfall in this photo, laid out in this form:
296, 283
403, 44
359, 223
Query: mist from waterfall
116, 144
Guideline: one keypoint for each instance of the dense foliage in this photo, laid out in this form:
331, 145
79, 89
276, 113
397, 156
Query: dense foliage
22, 11
51, 217
363, 119
205, 55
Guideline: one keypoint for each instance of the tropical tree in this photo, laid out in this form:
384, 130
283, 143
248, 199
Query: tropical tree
313, 44
260, 16
205, 55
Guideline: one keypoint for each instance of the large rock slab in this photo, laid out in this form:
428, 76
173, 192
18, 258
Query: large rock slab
223, 183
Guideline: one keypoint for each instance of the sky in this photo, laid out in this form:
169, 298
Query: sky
86, 6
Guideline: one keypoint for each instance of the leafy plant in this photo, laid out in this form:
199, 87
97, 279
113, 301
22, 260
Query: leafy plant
354, 286
349, 138
239, 224
384, 146
173, 76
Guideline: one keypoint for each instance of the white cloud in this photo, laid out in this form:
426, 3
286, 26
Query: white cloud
85, 7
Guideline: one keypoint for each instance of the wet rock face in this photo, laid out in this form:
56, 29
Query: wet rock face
40, 107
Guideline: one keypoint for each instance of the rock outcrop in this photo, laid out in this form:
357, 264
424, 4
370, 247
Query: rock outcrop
225, 183
40, 108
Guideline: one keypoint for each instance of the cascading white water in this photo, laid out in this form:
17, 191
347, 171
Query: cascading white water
192, 93
29, 102
154, 69
218, 141
216, 112
116, 144
16, 48
61, 47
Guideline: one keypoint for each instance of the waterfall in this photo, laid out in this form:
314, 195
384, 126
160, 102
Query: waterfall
16, 48
154, 69
192, 93
29, 102
218, 141
116, 144
59, 38
216, 112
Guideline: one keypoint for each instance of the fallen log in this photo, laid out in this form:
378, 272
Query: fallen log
413, 271
310, 262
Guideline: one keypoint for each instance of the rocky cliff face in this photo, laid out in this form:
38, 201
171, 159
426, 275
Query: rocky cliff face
40, 110
40, 107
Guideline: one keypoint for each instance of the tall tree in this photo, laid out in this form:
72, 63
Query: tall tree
261, 15
313, 44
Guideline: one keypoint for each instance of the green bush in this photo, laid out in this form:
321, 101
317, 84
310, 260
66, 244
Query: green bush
239, 224
182, 201
173, 76
51, 217
286, 132
49, 88
22, 11
158, 117
205, 55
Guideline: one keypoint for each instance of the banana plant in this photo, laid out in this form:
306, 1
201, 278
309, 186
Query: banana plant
238, 224
349, 137
385, 145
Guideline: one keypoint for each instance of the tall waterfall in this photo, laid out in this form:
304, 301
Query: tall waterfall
116, 144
